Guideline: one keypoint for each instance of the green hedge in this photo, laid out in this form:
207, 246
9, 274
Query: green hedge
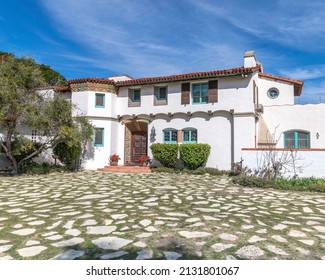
166, 154
194, 155
67, 154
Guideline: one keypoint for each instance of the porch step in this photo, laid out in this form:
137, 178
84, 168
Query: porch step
126, 169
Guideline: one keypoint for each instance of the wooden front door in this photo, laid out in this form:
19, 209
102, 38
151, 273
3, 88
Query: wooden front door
139, 146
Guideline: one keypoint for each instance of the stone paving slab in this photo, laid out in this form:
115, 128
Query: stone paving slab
95, 215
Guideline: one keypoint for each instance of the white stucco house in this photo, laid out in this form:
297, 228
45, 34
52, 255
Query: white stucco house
239, 112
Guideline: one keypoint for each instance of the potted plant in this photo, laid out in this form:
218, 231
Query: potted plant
144, 160
113, 159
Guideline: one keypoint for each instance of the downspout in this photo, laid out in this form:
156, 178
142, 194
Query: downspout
232, 128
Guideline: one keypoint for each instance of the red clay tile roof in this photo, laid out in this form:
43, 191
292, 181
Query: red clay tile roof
56, 88
189, 76
92, 80
297, 83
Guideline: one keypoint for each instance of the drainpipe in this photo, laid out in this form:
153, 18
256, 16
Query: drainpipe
232, 128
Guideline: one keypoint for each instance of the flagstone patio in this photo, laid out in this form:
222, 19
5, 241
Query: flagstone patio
99, 215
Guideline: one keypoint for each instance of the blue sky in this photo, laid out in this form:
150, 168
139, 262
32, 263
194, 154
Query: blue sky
99, 38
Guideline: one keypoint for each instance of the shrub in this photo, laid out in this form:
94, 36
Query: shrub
216, 172
300, 184
254, 182
198, 171
194, 155
166, 154
163, 170
44, 168
66, 153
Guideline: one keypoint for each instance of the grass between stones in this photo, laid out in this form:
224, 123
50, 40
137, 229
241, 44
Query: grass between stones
182, 216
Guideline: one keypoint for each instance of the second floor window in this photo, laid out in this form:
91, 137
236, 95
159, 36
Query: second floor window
135, 95
100, 100
170, 136
296, 140
200, 93
162, 93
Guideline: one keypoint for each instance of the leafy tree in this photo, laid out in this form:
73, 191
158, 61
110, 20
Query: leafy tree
52, 77
23, 106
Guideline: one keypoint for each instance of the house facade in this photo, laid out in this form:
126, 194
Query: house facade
238, 112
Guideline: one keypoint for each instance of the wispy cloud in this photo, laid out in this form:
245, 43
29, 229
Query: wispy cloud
150, 38
299, 24
305, 73
47, 38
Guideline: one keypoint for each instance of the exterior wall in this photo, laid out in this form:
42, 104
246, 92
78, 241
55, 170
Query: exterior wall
80, 99
214, 130
233, 93
286, 92
225, 135
85, 101
309, 117
312, 162
244, 134
99, 156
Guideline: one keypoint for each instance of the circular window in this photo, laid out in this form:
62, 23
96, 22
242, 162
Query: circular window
273, 93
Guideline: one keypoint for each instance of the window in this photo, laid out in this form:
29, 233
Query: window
100, 100
297, 140
170, 136
99, 137
162, 93
34, 135
135, 95
190, 136
200, 93
273, 93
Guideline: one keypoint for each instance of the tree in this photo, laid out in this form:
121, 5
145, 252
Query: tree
23, 105
52, 77
274, 163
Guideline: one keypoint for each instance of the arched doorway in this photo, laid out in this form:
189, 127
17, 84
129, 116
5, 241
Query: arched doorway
136, 141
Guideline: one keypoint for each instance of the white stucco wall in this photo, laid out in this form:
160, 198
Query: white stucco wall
80, 100
286, 92
233, 93
309, 117
85, 102
99, 156
244, 134
308, 164
215, 131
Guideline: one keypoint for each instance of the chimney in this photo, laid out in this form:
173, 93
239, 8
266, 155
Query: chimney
250, 59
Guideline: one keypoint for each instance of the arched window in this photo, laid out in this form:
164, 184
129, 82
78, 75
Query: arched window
297, 139
189, 135
170, 136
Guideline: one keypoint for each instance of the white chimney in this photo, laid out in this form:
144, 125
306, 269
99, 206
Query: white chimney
250, 59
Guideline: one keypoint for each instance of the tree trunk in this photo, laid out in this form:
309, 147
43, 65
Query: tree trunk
8, 149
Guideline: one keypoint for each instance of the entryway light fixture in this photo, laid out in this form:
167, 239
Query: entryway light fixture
153, 134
